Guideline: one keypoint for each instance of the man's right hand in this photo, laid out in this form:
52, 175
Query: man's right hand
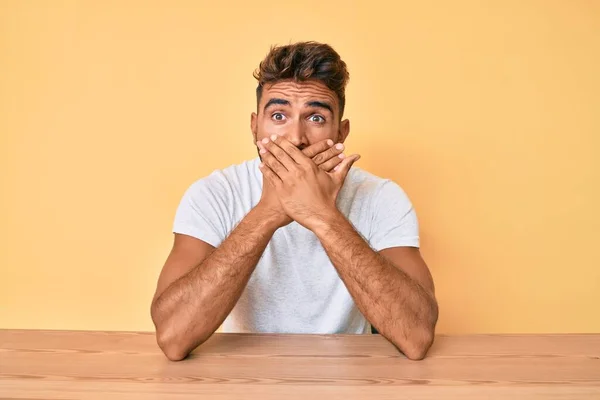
324, 154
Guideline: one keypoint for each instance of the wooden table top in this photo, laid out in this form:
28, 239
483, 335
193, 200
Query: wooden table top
129, 365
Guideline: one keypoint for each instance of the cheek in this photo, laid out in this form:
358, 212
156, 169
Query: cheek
266, 128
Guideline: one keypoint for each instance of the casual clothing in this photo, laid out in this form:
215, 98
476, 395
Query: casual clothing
295, 288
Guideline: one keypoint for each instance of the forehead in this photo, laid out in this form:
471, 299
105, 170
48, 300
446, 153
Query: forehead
300, 92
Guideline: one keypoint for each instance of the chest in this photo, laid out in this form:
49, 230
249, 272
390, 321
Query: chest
295, 262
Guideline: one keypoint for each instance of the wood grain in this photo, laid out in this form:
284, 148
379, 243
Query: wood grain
129, 365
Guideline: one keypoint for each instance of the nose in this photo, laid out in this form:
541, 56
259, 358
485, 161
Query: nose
297, 135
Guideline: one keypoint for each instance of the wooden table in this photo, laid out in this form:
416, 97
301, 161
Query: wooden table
129, 365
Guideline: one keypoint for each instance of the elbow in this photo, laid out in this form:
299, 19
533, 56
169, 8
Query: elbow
416, 344
416, 347
167, 340
170, 347
174, 354
175, 344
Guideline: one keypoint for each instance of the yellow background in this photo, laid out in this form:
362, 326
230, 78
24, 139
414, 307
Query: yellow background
486, 113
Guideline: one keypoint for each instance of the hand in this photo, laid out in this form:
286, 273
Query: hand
307, 193
324, 155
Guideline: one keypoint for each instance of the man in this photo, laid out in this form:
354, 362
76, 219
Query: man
295, 241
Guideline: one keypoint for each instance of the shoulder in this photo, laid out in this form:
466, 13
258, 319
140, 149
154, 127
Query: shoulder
376, 188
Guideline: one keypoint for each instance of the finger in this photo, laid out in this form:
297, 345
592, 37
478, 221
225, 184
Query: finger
330, 164
317, 148
282, 149
273, 163
269, 174
330, 153
341, 171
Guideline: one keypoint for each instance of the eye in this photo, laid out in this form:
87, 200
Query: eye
317, 118
278, 117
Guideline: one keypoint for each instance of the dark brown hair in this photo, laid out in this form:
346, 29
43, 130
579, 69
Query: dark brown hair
304, 61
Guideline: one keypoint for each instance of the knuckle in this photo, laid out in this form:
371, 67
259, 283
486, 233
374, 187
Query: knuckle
322, 148
327, 166
274, 150
308, 151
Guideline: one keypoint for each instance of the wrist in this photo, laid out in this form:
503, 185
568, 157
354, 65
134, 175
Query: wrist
264, 216
327, 221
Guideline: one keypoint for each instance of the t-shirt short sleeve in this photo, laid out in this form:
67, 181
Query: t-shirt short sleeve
395, 221
203, 212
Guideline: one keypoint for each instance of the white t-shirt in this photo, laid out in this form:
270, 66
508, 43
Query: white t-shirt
295, 288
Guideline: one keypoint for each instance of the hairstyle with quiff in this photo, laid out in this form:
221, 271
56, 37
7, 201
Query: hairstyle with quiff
304, 61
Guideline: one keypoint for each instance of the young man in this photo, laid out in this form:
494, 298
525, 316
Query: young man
295, 241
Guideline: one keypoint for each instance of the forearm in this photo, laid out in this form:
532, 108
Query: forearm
401, 309
194, 306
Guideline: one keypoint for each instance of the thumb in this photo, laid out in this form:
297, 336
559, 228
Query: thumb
341, 170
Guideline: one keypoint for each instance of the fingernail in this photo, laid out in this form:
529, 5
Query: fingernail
262, 151
341, 155
329, 142
336, 168
339, 146
265, 140
273, 137
261, 165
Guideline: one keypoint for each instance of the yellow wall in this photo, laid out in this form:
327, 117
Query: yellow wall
487, 113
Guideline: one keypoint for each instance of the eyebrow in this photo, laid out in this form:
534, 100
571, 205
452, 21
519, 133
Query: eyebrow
274, 101
313, 104
320, 104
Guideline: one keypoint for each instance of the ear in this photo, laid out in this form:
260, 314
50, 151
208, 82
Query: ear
253, 125
344, 130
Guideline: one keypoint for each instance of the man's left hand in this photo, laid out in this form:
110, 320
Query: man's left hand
307, 193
